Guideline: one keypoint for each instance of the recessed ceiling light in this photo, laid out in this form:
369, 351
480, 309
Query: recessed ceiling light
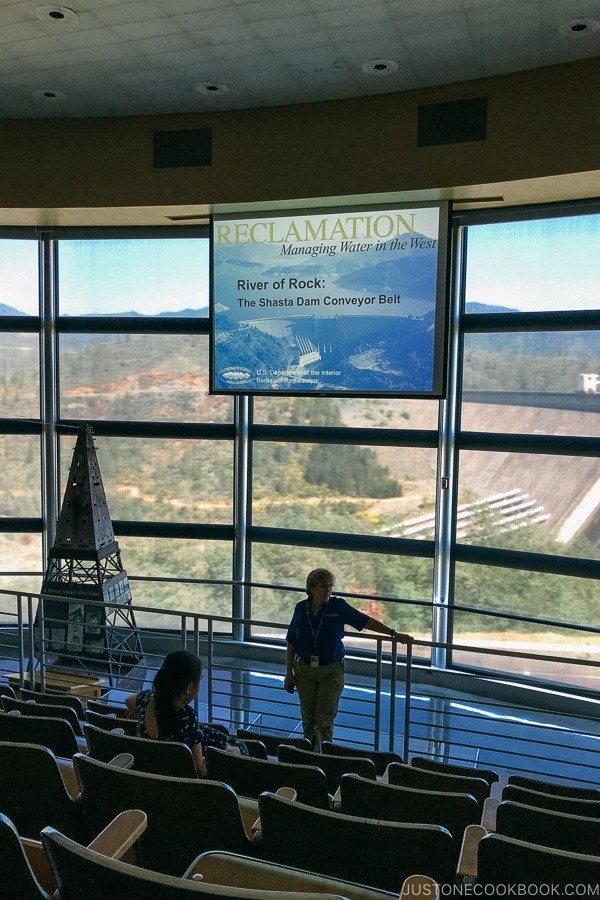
380, 67
577, 28
212, 88
56, 15
49, 96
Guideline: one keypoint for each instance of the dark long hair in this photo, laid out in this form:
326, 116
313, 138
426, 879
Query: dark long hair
179, 669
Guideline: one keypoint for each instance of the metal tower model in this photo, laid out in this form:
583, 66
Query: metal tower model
84, 564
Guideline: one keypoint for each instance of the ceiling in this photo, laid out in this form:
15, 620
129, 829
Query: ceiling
146, 57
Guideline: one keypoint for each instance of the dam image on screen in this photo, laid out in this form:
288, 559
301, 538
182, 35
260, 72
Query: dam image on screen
311, 304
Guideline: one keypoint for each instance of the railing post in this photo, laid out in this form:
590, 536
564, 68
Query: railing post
378, 680
31, 649
196, 636
407, 701
20, 642
209, 668
393, 683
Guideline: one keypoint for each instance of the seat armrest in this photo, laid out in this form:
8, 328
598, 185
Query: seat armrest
122, 761
255, 827
249, 814
419, 886
287, 793
496, 791
40, 865
488, 817
467, 861
69, 777
120, 834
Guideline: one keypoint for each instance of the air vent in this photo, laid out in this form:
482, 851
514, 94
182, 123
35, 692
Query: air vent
177, 149
455, 122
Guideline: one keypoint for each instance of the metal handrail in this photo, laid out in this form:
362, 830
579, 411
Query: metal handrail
384, 671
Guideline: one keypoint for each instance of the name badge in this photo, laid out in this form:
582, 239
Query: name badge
314, 661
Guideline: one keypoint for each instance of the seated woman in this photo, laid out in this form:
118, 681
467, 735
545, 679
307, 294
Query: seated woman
164, 713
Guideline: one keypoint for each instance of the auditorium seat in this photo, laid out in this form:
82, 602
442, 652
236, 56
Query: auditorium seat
55, 699
34, 792
377, 800
556, 802
367, 851
496, 861
548, 786
411, 776
381, 758
107, 707
272, 741
22, 869
108, 721
333, 766
250, 777
186, 816
436, 765
84, 872
159, 757
233, 870
48, 710
55, 734
578, 834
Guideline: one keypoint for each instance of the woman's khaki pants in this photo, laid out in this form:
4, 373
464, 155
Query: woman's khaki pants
319, 691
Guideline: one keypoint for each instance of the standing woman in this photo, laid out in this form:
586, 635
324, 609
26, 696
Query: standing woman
315, 653
165, 713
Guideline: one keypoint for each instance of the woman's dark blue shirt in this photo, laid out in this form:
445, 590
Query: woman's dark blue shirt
322, 635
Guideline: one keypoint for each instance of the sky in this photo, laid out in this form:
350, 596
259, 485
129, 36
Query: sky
553, 264
549, 264
111, 277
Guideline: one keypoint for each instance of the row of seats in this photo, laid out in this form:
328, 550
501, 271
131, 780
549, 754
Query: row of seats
358, 798
98, 870
320, 830
181, 815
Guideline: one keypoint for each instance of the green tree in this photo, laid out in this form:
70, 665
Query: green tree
350, 470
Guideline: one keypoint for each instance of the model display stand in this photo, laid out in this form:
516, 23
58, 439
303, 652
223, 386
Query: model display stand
84, 564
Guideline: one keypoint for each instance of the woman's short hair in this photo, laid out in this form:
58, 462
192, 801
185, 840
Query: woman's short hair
316, 576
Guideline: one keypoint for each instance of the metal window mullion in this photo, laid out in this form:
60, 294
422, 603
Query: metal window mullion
50, 477
446, 476
240, 513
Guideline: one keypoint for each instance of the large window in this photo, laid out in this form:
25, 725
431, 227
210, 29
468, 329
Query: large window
135, 277
476, 519
134, 377
344, 488
538, 265
528, 470
164, 480
372, 575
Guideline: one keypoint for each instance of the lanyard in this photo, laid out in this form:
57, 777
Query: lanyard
315, 634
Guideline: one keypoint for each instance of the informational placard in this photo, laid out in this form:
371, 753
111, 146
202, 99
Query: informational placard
346, 301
